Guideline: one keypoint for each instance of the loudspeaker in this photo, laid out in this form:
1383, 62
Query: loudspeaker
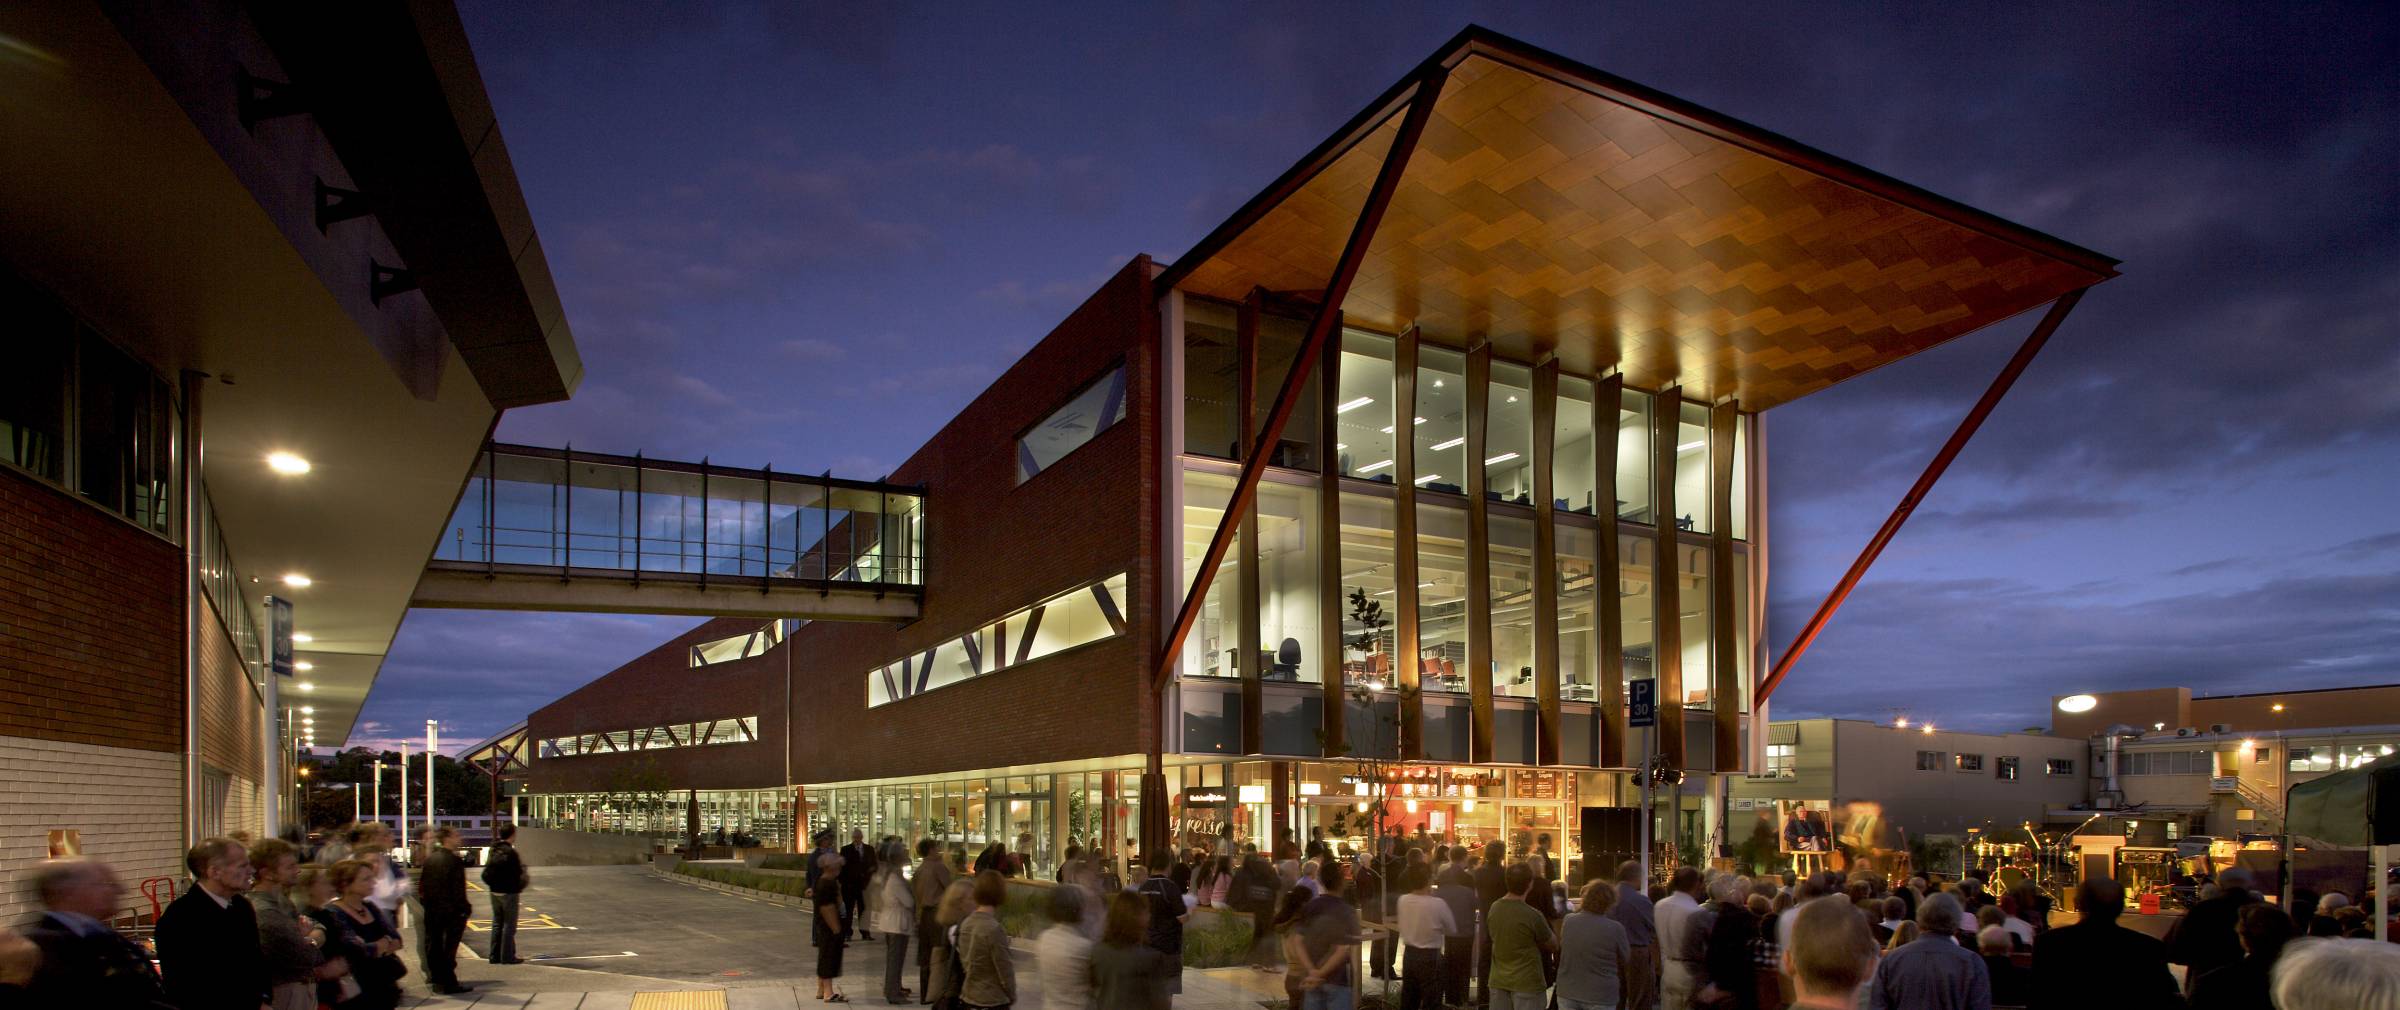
1611, 835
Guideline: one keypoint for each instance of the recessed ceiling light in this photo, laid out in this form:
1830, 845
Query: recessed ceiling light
1437, 383
303, 637
305, 686
308, 710
1689, 446
1428, 478
1353, 405
296, 580
288, 464
1512, 398
1372, 467
1502, 458
304, 666
1451, 444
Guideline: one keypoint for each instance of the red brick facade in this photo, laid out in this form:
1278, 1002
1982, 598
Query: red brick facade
993, 546
231, 734
91, 623
659, 688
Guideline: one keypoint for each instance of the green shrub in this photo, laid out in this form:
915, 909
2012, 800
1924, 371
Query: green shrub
785, 861
1218, 941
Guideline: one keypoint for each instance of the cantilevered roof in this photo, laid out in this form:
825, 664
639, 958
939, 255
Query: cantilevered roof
1551, 208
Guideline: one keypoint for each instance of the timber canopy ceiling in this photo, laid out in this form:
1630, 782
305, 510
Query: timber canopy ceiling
1551, 208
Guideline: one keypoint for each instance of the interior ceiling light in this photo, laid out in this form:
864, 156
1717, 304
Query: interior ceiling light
2278, 707
1502, 458
1512, 397
1353, 405
1372, 467
308, 710
288, 464
303, 637
2078, 703
304, 666
1451, 444
305, 686
1429, 478
1689, 446
296, 580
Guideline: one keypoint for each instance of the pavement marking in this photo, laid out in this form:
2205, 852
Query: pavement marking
678, 1001
547, 958
533, 918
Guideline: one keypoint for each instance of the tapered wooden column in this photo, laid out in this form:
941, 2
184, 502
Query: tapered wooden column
1332, 603
1608, 397
1245, 549
1406, 655
1479, 555
1545, 563
1666, 598
1725, 689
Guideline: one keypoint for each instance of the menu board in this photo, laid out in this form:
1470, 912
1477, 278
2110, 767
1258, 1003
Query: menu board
1541, 785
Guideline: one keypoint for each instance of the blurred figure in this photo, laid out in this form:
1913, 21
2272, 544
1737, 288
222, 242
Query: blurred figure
442, 892
2011, 985
1829, 955
2264, 931
1063, 955
2096, 962
2318, 974
83, 962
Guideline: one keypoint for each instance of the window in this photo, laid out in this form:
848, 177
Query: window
2354, 755
1092, 410
683, 734
2264, 754
1362, 411
79, 412
1209, 651
1212, 377
1290, 545
1279, 340
2177, 762
1441, 420
1781, 760
1510, 561
1072, 619
2311, 759
1970, 762
1931, 760
746, 646
2006, 769
2059, 766
1508, 436
1633, 457
1572, 487
33, 388
1691, 468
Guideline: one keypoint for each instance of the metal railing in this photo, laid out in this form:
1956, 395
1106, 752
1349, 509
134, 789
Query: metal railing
532, 508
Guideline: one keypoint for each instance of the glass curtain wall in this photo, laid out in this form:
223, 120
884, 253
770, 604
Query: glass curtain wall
1691, 572
1691, 469
1289, 546
1211, 379
1512, 607
1578, 603
1633, 457
1209, 652
1442, 598
1279, 340
1441, 420
1572, 486
1368, 568
1635, 564
1508, 436
1363, 411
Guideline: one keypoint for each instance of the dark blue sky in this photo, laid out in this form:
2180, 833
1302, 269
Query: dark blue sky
805, 237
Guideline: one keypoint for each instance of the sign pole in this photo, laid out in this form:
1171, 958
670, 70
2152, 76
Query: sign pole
1642, 696
433, 742
402, 839
279, 666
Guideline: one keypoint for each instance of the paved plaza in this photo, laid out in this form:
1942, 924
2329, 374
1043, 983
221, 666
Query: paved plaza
627, 938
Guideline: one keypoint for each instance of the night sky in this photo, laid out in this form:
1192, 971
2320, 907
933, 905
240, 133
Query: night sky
806, 237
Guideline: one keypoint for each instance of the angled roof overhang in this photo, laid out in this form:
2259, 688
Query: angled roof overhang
1553, 209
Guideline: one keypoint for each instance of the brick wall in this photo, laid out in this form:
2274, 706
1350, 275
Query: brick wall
91, 623
993, 546
134, 824
661, 687
231, 713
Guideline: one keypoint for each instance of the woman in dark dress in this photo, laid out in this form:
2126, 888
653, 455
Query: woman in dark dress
362, 934
827, 925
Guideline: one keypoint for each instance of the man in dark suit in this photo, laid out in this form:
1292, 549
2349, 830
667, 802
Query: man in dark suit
208, 939
2097, 963
442, 891
858, 864
83, 962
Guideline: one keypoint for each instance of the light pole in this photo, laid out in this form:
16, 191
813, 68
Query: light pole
403, 811
433, 743
378, 810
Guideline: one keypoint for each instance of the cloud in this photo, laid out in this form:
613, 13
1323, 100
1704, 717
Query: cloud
810, 349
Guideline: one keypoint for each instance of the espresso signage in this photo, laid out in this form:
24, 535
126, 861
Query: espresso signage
1205, 796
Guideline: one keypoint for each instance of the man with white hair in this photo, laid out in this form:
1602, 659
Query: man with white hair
1932, 972
2332, 974
84, 963
2205, 939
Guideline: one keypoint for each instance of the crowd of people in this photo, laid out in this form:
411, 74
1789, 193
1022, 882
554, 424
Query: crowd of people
274, 924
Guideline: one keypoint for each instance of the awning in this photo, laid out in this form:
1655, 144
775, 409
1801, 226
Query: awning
1551, 208
2360, 806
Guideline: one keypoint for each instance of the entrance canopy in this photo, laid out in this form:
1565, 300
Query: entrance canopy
1552, 208
2360, 806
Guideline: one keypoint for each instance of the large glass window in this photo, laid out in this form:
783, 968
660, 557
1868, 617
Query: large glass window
1362, 412
123, 435
1636, 562
1212, 377
1508, 437
1279, 340
1442, 598
1692, 590
1512, 607
1288, 553
67, 393
33, 387
1691, 469
1368, 567
1633, 457
1071, 619
1741, 478
1441, 420
1209, 650
1092, 410
1571, 453
1578, 603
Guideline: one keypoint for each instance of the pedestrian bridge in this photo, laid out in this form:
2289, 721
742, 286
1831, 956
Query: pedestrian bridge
559, 530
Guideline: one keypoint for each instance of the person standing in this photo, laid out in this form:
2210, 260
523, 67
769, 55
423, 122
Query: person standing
505, 876
2096, 962
892, 913
987, 973
2206, 938
208, 938
1491, 884
1167, 913
931, 879
1253, 893
1595, 959
442, 893
1063, 954
1680, 970
1933, 972
83, 962
1124, 972
1456, 888
362, 934
1634, 912
858, 866
826, 927
1425, 926
2011, 985
1828, 955
1327, 954
288, 940
2243, 985
1520, 936
1730, 971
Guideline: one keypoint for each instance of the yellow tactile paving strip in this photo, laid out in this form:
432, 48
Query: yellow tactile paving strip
678, 1001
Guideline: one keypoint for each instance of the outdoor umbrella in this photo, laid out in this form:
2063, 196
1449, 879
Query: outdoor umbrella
2358, 806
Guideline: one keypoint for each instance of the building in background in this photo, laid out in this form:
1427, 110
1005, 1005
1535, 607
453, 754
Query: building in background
1551, 283
1925, 780
266, 284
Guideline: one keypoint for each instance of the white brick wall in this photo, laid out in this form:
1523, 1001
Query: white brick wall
127, 803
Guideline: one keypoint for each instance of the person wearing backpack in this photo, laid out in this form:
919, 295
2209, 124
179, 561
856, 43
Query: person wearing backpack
1253, 891
505, 875
1167, 915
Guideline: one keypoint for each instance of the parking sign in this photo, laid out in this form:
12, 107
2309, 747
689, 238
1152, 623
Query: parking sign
1642, 695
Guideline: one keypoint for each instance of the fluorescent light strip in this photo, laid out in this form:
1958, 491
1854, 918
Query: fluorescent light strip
1502, 458
1689, 446
1429, 477
1354, 405
1372, 467
1451, 444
